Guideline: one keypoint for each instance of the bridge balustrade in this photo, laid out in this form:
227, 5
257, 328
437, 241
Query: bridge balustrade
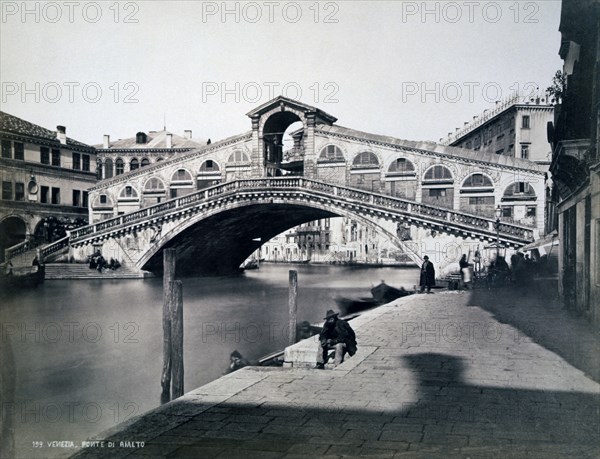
470, 220
106, 224
156, 209
424, 209
137, 215
354, 194
390, 202
322, 187
54, 247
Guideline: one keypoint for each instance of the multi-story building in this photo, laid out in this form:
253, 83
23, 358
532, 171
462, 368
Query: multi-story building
576, 160
124, 155
45, 178
515, 127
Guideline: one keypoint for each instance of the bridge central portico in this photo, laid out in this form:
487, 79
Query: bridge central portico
219, 203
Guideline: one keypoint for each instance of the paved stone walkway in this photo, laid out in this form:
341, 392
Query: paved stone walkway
453, 374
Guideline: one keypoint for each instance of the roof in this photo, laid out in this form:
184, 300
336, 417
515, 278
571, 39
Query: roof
283, 101
14, 125
441, 150
155, 139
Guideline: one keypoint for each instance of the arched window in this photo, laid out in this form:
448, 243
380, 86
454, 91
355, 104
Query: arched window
108, 168
365, 159
519, 191
128, 193
134, 164
154, 185
160, 159
119, 166
238, 156
102, 201
209, 166
402, 166
438, 173
477, 181
145, 162
331, 153
181, 176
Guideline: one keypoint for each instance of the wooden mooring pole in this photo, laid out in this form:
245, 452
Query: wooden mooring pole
168, 277
293, 304
177, 338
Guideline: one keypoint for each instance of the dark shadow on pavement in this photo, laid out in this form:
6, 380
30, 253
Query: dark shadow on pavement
537, 312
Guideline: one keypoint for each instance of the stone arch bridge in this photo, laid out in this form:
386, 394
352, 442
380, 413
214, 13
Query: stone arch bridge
219, 203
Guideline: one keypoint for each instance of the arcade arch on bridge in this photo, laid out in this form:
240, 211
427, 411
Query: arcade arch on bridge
128, 200
365, 172
477, 195
102, 208
238, 165
401, 179
519, 204
208, 175
331, 164
154, 191
181, 183
438, 186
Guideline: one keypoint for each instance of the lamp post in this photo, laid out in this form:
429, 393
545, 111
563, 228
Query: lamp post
497, 226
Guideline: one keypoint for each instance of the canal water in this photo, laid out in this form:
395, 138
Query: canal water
88, 353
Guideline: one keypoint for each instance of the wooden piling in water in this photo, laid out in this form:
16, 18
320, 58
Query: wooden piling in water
176, 308
168, 277
293, 305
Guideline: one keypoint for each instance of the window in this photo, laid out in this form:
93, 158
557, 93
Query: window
525, 151
76, 198
55, 195
402, 165
6, 191
500, 138
44, 195
55, 157
525, 122
19, 191
128, 192
134, 164
6, 149
44, 155
85, 199
477, 180
238, 157
507, 212
154, 185
145, 162
437, 193
181, 175
19, 151
119, 167
209, 166
499, 152
103, 199
76, 161
438, 173
531, 211
366, 158
331, 153
86, 163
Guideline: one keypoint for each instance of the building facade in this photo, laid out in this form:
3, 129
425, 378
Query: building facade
45, 180
575, 159
125, 155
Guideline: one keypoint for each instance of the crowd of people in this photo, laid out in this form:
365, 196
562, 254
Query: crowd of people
98, 262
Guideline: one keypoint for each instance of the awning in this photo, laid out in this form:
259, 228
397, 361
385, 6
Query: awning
548, 241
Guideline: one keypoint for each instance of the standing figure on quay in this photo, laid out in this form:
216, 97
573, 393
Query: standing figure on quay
336, 334
427, 275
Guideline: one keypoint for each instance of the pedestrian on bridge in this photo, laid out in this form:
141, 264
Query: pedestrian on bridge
427, 275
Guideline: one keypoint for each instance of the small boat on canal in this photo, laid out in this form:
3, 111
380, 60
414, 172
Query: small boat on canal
384, 293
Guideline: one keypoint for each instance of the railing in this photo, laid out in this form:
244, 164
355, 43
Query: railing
17, 249
54, 247
383, 202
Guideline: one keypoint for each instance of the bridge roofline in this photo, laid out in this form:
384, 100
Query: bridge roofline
169, 162
295, 104
432, 148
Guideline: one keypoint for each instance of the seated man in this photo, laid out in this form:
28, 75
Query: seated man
236, 361
335, 334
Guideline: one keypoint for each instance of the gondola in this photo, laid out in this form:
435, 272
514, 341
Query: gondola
384, 293
20, 279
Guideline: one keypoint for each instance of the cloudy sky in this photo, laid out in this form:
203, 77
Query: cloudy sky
414, 70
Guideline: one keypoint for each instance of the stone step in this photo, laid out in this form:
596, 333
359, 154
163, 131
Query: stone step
82, 271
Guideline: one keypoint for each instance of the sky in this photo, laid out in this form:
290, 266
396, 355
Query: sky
410, 69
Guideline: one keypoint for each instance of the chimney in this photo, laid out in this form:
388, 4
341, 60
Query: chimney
187, 134
465, 123
61, 134
169, 140
106, 143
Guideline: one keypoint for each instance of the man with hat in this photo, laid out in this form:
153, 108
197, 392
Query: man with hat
335, 334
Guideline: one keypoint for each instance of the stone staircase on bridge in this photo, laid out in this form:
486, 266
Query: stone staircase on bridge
55, 271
